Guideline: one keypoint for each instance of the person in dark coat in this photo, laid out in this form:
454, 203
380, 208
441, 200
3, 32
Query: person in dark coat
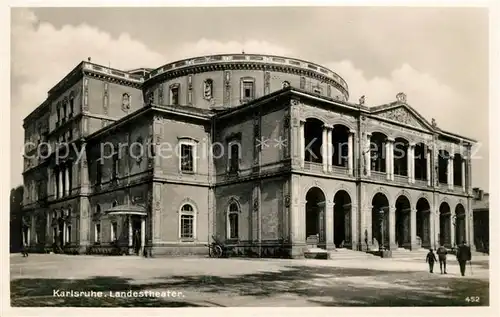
431, 259
463, 255
24, 250
442, 252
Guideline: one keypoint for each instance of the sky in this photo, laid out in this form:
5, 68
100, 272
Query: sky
437, 56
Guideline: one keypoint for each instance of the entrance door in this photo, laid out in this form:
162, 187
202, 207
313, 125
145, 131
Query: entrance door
136, 231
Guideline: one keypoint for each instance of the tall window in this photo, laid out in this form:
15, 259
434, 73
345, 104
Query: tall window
247, 89
114, 230
68, 234
232, 219
98, 233
99, 171
58, 112
116, 164
234, 157
65, 108
187, 222
71, 104
187, 158
174, 94
70, 177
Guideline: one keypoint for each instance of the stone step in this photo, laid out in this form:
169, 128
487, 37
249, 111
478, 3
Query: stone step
349, 254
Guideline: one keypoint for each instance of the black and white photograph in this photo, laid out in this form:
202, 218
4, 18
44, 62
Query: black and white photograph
217, 156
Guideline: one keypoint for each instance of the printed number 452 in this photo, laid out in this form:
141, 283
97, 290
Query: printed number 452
472, 299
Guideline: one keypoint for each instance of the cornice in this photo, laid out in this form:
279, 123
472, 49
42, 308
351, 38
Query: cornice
247, 62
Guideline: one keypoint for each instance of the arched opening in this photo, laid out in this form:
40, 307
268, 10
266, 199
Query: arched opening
340, 145
457, 169
380, 221
460, 233
403, 222
445, 225
315, 216
443, 166
401, 147
423, 223
233, 213
420, 162
377, 149
313, 136
342, 219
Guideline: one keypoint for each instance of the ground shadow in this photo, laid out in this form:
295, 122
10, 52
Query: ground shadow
326, 286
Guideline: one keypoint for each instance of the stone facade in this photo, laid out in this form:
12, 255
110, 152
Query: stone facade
261, 152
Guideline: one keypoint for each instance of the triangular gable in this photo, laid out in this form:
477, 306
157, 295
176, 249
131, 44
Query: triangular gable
403, 114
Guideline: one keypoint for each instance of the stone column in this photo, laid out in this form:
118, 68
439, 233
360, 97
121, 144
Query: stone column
451, 171
388, 159
409, 155
368, 159
324, 149
463, 175
60, 173
130, 233
302, 143
55, 181
66, 185
354, 227
64, 233
469, 171
297, 219
391, 153
470, 227
392, 228
329, 151
350, 158
143, 234
413, 230
329, 219
453, 228
428, 171
412, 174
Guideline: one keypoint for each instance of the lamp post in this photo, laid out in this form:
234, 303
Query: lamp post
382, 238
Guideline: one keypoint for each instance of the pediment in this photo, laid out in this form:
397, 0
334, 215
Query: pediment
404, 115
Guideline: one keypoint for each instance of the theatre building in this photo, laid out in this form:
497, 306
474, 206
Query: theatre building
265, 153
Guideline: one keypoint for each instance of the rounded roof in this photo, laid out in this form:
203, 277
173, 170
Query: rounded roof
249, 61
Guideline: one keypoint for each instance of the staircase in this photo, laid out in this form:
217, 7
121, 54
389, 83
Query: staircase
401, 253
347, 254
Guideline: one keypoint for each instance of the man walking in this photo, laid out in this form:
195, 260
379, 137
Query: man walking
463, 255
24, 250
442, 252
431, 259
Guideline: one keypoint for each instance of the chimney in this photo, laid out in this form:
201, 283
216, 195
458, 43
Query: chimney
475, 192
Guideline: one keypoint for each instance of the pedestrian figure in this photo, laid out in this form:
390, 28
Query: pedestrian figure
431, 259
463, 255
442, 252
24, 250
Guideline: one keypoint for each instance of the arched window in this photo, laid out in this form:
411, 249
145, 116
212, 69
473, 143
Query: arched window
65, 107
187, 222
232, 220
71, 103
98, 209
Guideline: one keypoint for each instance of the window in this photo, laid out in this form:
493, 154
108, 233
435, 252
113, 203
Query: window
232, 220
70, 178
285, 84
187, 222
99, 171
116, 165
97, 233
208, 89
65, 108
114, 230
71, 104
317, 90
174, 94
58, 112
247, 89
234, 156
115, 203
68, 234
187, 157
54, 235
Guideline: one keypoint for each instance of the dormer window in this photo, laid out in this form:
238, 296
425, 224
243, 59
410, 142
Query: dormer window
285, 84
247, 89
174, 94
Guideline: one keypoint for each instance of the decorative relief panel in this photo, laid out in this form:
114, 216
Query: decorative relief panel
227, 88
302, 83
190, 90
267, 84
329, 91
85, 103
160, 94
105, 99
403, 116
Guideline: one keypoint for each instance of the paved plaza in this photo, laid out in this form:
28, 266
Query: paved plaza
48, 280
